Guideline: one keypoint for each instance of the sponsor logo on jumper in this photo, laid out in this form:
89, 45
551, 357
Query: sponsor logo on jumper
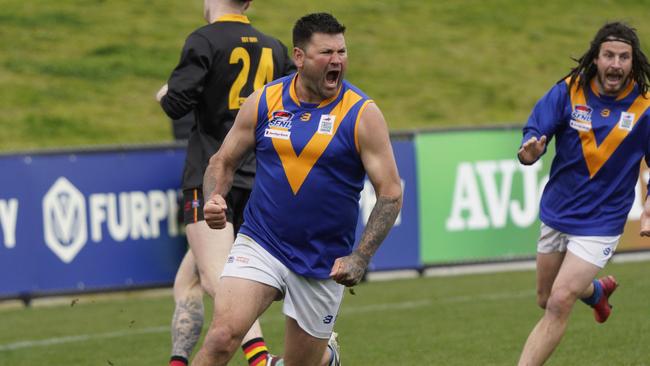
281, 119
580, 126
626, 121
581, 118
581, 113
326, 124
277, 134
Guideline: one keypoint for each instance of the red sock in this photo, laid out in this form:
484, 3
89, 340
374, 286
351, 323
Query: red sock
178, 361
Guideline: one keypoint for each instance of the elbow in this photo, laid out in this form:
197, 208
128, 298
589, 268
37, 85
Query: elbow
220, 161
215, 160
174, 108
400, 200
397, 195
393, 194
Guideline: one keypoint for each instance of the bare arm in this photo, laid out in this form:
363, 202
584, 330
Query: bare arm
219, 174
379, 162
645, 219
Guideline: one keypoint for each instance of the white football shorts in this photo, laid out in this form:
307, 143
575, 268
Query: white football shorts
594, 249
313, 303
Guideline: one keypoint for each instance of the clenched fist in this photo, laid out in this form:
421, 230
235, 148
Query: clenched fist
214, 212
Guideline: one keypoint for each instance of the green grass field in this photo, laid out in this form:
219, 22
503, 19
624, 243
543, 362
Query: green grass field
79, 72
465, 320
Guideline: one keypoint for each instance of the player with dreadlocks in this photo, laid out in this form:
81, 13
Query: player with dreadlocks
600, 118
612, 32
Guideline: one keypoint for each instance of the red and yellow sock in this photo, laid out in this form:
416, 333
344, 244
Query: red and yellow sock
255, 351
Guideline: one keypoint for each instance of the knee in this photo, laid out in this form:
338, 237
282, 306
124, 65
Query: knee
184, 291
222, 340
208, 286
560, 303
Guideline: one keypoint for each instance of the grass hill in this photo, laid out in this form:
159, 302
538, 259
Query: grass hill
76, 72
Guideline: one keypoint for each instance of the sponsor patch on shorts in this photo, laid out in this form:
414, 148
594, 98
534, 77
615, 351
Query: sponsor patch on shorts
241, 259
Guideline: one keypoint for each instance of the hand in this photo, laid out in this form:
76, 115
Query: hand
645, 219
349, 270
214, 212
161, 93
532, 149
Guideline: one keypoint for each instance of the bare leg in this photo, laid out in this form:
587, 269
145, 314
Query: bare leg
303, 349
211, 248
573, 279
188, 313
325, 358
239, 303
198, 272
548, 265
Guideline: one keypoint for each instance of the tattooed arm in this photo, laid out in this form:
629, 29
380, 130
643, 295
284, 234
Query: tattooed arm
379, 162
218, 176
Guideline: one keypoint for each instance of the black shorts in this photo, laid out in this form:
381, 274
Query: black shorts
236, 200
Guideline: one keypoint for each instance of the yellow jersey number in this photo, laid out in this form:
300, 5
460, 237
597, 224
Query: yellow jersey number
263, 75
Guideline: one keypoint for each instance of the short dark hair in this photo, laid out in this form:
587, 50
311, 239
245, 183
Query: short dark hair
306, 26
615, 31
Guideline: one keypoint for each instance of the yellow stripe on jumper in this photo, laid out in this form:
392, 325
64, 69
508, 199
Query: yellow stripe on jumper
297, 167
597, 155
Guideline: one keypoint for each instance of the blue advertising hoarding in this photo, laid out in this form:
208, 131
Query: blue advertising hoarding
89, 221
99, 220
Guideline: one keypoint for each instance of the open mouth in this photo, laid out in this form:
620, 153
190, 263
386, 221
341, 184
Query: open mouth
614, 78
332, 77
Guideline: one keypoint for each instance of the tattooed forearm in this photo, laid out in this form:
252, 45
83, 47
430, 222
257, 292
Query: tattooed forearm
381, 220
186, 326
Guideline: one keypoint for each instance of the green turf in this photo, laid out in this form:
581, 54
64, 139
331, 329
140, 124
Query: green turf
76, 72
465, 320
